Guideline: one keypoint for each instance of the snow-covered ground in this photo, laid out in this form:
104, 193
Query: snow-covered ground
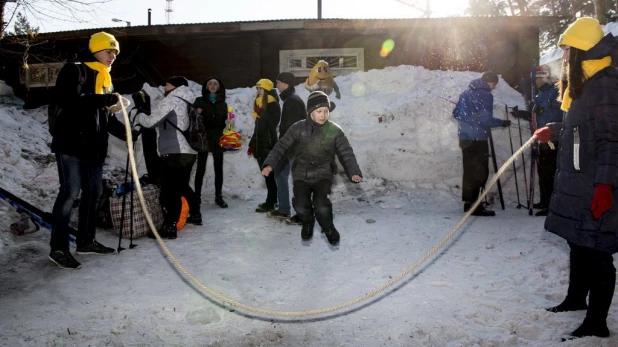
487, 287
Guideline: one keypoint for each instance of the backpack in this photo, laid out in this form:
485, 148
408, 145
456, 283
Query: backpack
54, 112
196, 132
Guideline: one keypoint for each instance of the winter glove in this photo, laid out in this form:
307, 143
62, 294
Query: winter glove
250, 150
543, 135
506, 123
601, 200
538, 109
110, 99
141, 100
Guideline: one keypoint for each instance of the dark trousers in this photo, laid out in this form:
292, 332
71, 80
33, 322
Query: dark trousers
175, 184
76, 175
312, 199
271, 185
151, 156
546, 170
475, 168
200, 171
593, 272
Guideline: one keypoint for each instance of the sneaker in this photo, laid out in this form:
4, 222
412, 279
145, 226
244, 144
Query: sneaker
64, 260
94, 248
219, 201
195, 218
332, 235
278, 215
265, 207
543, 212
306, 232
294, 220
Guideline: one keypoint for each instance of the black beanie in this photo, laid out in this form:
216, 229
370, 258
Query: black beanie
287, 78
490, 77
178, 81
316, 100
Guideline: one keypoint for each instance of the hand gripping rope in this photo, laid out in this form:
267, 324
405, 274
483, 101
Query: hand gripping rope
271, 313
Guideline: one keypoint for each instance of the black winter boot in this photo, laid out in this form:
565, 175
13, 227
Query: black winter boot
195, 218
589, 328
167, 232
480, 210
332, 235
265, 207
219, 201
307, 231
578, 285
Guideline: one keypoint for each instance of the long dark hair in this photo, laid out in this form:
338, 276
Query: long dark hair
575, 73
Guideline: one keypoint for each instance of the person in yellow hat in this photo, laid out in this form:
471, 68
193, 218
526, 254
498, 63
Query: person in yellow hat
582, 209
79, 121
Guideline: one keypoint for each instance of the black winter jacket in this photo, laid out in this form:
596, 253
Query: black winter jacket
293, 110
214, 115
265, 132
588, 156
314, 147
82, 128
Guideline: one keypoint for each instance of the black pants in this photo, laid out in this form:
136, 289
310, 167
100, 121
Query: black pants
475, 168
176, 176
546, 169
319, 205
593, 272
200, 171
271, 185
151, 156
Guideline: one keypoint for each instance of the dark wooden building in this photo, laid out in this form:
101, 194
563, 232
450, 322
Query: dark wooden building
243, 52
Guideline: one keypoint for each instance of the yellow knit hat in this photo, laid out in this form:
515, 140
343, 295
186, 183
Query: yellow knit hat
583, 34
266, 84
103, 40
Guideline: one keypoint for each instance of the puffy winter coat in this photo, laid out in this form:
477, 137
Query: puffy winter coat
588, 155
314, 147
214, 115
170, 110
474, 112
82, 128
265, 132
293, 110
546, 101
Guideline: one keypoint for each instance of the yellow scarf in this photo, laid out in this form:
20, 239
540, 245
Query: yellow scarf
590, 68
258, 103
104, 80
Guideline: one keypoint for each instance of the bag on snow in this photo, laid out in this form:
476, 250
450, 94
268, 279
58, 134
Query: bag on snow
140, 224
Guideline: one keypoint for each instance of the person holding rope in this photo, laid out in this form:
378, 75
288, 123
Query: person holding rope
171, 117
315, 141
581, 209
474, 114
79, 129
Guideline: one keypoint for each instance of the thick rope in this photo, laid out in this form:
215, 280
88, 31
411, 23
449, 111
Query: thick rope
271, 313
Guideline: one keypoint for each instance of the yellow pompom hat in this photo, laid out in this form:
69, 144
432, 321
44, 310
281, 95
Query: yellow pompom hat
266, 84
103, 40
582, 34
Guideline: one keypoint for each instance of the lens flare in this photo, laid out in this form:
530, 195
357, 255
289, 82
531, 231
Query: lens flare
387, 48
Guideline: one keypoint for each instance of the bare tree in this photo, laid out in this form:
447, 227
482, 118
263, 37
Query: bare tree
600, 11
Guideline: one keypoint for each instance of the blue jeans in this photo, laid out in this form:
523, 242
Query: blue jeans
282, 172
76, 175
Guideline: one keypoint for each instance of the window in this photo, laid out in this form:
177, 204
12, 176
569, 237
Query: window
40, 75
341, 60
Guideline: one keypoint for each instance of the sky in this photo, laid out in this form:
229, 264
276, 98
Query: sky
201, 11
488, 286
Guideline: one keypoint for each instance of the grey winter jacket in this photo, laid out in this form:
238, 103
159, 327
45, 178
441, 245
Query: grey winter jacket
314, 147
170, 110
588, 156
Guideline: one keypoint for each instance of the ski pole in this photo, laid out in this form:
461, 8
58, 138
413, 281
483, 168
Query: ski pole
523, 160
519, 205
493, 159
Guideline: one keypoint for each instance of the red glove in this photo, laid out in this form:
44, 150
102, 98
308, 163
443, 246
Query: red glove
543, 134
250, 150
601, 200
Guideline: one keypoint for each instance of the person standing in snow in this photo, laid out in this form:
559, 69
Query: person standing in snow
315, 141
177, 157
547, 110
581, 209
266, 113
474, 114
293, 111
80, 135
213, 108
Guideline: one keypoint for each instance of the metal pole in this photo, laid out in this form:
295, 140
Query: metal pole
319, 9
149, 17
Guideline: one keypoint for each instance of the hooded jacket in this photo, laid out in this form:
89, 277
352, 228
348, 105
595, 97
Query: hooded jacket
214, 114
265, 132
588, 156
170, 110
293, 110
546, 98
82, 128
474, 112
314, 147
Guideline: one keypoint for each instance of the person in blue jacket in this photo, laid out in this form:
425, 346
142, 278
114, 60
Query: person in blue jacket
474, 113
